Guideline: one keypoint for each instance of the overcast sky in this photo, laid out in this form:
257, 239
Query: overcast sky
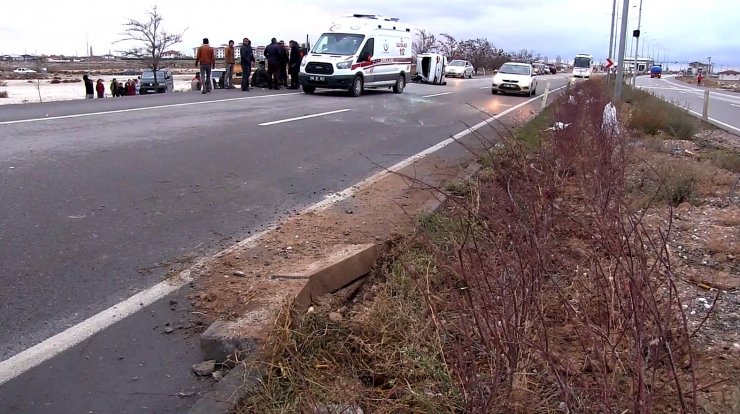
682, 30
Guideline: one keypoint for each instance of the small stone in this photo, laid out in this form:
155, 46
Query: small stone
217, 375
288, 248
205, 368
168, 330
184, 394
335, 316
311, 310
349, 211
239, 273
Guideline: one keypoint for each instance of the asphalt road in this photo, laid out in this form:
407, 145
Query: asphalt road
101, 199
724, 106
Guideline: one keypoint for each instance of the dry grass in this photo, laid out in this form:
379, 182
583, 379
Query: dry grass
538, 290
384, 356
652, 115
3, 94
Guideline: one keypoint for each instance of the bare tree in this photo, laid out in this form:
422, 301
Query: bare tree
152, 40
448, 45
424, 42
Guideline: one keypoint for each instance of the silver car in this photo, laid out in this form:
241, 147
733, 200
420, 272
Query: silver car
459, 68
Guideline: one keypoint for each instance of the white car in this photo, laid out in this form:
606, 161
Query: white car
24, 71
514, 77
461, 68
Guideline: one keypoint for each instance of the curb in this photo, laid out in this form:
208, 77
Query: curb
345, 269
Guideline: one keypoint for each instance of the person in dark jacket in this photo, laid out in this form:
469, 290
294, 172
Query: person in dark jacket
260, 78
114, 87
274, 57
89, 87
247, 58
295, 64
284, 60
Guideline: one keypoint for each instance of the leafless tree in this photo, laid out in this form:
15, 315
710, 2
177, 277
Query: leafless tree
448, 45
424, 42
152, 40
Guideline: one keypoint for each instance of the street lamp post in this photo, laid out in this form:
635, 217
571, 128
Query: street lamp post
637, 44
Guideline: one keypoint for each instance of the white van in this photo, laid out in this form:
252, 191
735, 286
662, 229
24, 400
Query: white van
359, 51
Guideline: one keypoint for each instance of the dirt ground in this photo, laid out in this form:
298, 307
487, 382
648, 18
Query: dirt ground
712, 83
382, 211
705, 252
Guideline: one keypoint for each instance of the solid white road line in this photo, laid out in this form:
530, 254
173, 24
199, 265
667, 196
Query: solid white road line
437, 94
120, 111
38, 354
716, 122
282, 121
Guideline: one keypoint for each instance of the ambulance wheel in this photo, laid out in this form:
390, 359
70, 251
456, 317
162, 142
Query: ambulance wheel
356, 89
309, 89
400, 84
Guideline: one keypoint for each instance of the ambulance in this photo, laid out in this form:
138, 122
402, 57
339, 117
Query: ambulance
358, 52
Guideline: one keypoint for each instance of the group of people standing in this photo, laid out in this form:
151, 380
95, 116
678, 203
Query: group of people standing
281, 62
131, 87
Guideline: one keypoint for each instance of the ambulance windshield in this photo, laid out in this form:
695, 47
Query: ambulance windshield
338, 44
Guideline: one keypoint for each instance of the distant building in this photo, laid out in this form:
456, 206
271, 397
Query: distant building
259, 52
643, 64
172, 54
729, 75
696, 67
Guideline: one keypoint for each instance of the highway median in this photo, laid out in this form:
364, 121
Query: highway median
587, 266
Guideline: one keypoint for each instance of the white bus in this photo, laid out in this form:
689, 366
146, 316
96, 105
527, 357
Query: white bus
582, 65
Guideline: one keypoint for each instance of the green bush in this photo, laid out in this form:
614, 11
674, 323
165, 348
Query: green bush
651, 115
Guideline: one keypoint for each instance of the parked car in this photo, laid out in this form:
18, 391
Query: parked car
164, 82
217, 77
514, 77
24, 71
461, 68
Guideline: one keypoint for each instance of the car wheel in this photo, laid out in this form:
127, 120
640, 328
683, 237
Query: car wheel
356, 89
494, 92
400, 84
309, 89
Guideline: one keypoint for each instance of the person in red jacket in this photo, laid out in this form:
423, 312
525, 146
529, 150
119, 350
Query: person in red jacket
100, 88
131, 88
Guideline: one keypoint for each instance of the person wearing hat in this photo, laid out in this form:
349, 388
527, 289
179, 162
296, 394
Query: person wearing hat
247, 58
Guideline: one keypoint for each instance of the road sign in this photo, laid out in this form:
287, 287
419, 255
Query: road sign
609, 64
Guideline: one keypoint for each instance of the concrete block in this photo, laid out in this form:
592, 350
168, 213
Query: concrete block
226, 394
223, 338
339, 270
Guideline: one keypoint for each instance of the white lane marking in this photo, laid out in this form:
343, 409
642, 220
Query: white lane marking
486, 87
298, 118
712, 120
42, 352
120, 111
437, 94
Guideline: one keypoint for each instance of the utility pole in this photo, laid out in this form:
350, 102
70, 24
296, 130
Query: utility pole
611, 36
637, 44
611, 39
620, 55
